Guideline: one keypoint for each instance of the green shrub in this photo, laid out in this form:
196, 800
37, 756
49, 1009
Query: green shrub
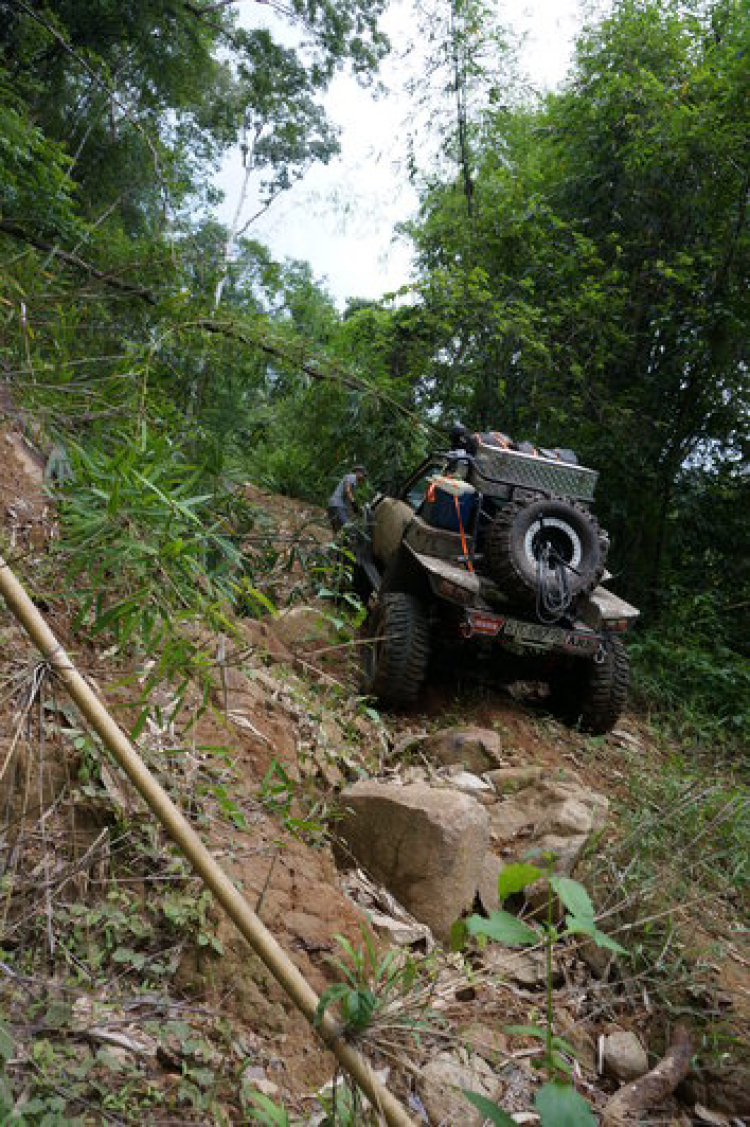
140, 542
686, 672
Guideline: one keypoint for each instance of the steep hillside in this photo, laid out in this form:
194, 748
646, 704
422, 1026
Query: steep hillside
127, 998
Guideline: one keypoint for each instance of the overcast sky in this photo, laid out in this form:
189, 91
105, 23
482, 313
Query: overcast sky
341, 217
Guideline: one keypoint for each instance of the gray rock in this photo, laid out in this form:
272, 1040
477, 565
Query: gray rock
527, 968
490, 870
624, 1056
509, 779
464, 781
547, 817
485, 1041
440, 1086
425, 845
476, 749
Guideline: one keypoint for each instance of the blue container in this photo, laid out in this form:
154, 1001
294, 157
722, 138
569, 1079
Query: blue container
447, 501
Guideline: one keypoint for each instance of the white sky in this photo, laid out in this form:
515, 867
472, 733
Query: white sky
341, 217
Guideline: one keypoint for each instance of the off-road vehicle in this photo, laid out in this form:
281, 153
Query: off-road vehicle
498, 550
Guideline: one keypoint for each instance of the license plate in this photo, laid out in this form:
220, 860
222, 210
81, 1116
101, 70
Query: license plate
529, 632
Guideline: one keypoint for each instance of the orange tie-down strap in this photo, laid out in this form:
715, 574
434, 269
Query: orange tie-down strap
464, 545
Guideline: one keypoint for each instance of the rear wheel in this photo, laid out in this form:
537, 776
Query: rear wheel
395, 660
592, 692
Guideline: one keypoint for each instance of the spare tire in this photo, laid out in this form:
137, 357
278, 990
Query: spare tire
528, 542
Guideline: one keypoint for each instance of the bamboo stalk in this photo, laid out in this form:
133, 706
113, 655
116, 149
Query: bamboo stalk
231, 900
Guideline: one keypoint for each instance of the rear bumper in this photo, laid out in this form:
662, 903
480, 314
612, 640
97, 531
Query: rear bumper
526, 637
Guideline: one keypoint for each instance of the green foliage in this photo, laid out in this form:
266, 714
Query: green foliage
147, 99
503, 928
122, 935
36, 189
261, 1109
303, 814
685, 671
489, 1109
684, 839
378, 992
558, 1104
139, 544
6, 1095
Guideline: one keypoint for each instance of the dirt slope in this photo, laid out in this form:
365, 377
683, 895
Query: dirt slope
259, 773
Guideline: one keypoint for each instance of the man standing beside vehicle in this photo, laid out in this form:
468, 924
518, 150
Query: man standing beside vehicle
342, 504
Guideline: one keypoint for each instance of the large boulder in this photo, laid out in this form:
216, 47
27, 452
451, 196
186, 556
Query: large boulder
425, 845
475, 749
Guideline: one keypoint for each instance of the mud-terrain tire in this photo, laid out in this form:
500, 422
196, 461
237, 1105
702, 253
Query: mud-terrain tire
519, 530
395, 661
592, 693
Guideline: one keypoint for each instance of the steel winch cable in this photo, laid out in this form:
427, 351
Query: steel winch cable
553, 593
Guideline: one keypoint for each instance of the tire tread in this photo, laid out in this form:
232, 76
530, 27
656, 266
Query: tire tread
402, 655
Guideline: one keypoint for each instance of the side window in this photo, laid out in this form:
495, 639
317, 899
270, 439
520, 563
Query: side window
415, 490
415, 494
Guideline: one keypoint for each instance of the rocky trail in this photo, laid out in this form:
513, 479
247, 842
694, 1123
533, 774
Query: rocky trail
358, 837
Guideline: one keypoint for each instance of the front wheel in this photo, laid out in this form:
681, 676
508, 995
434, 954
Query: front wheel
592, 693
396, 656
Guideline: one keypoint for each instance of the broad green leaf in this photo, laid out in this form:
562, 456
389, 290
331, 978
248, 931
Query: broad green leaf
489, 1109
559, 1105
514, 878
575, 926
574, 896
603, 940
504, 928
587, 927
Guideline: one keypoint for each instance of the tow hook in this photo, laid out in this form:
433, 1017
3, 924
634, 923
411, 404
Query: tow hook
600, 655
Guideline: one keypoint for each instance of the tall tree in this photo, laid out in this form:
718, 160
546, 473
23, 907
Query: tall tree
605, 297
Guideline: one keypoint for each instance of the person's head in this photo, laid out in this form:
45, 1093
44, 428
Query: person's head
462, 439
361, 473
457, 436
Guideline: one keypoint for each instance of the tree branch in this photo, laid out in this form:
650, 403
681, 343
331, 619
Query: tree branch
650, 1090
7, 227
222, 328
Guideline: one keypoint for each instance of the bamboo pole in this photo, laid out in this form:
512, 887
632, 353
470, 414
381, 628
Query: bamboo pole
179, 829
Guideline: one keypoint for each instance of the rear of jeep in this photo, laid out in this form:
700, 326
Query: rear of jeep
498, 551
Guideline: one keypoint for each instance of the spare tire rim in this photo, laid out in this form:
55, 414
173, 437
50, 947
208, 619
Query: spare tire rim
558, 535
